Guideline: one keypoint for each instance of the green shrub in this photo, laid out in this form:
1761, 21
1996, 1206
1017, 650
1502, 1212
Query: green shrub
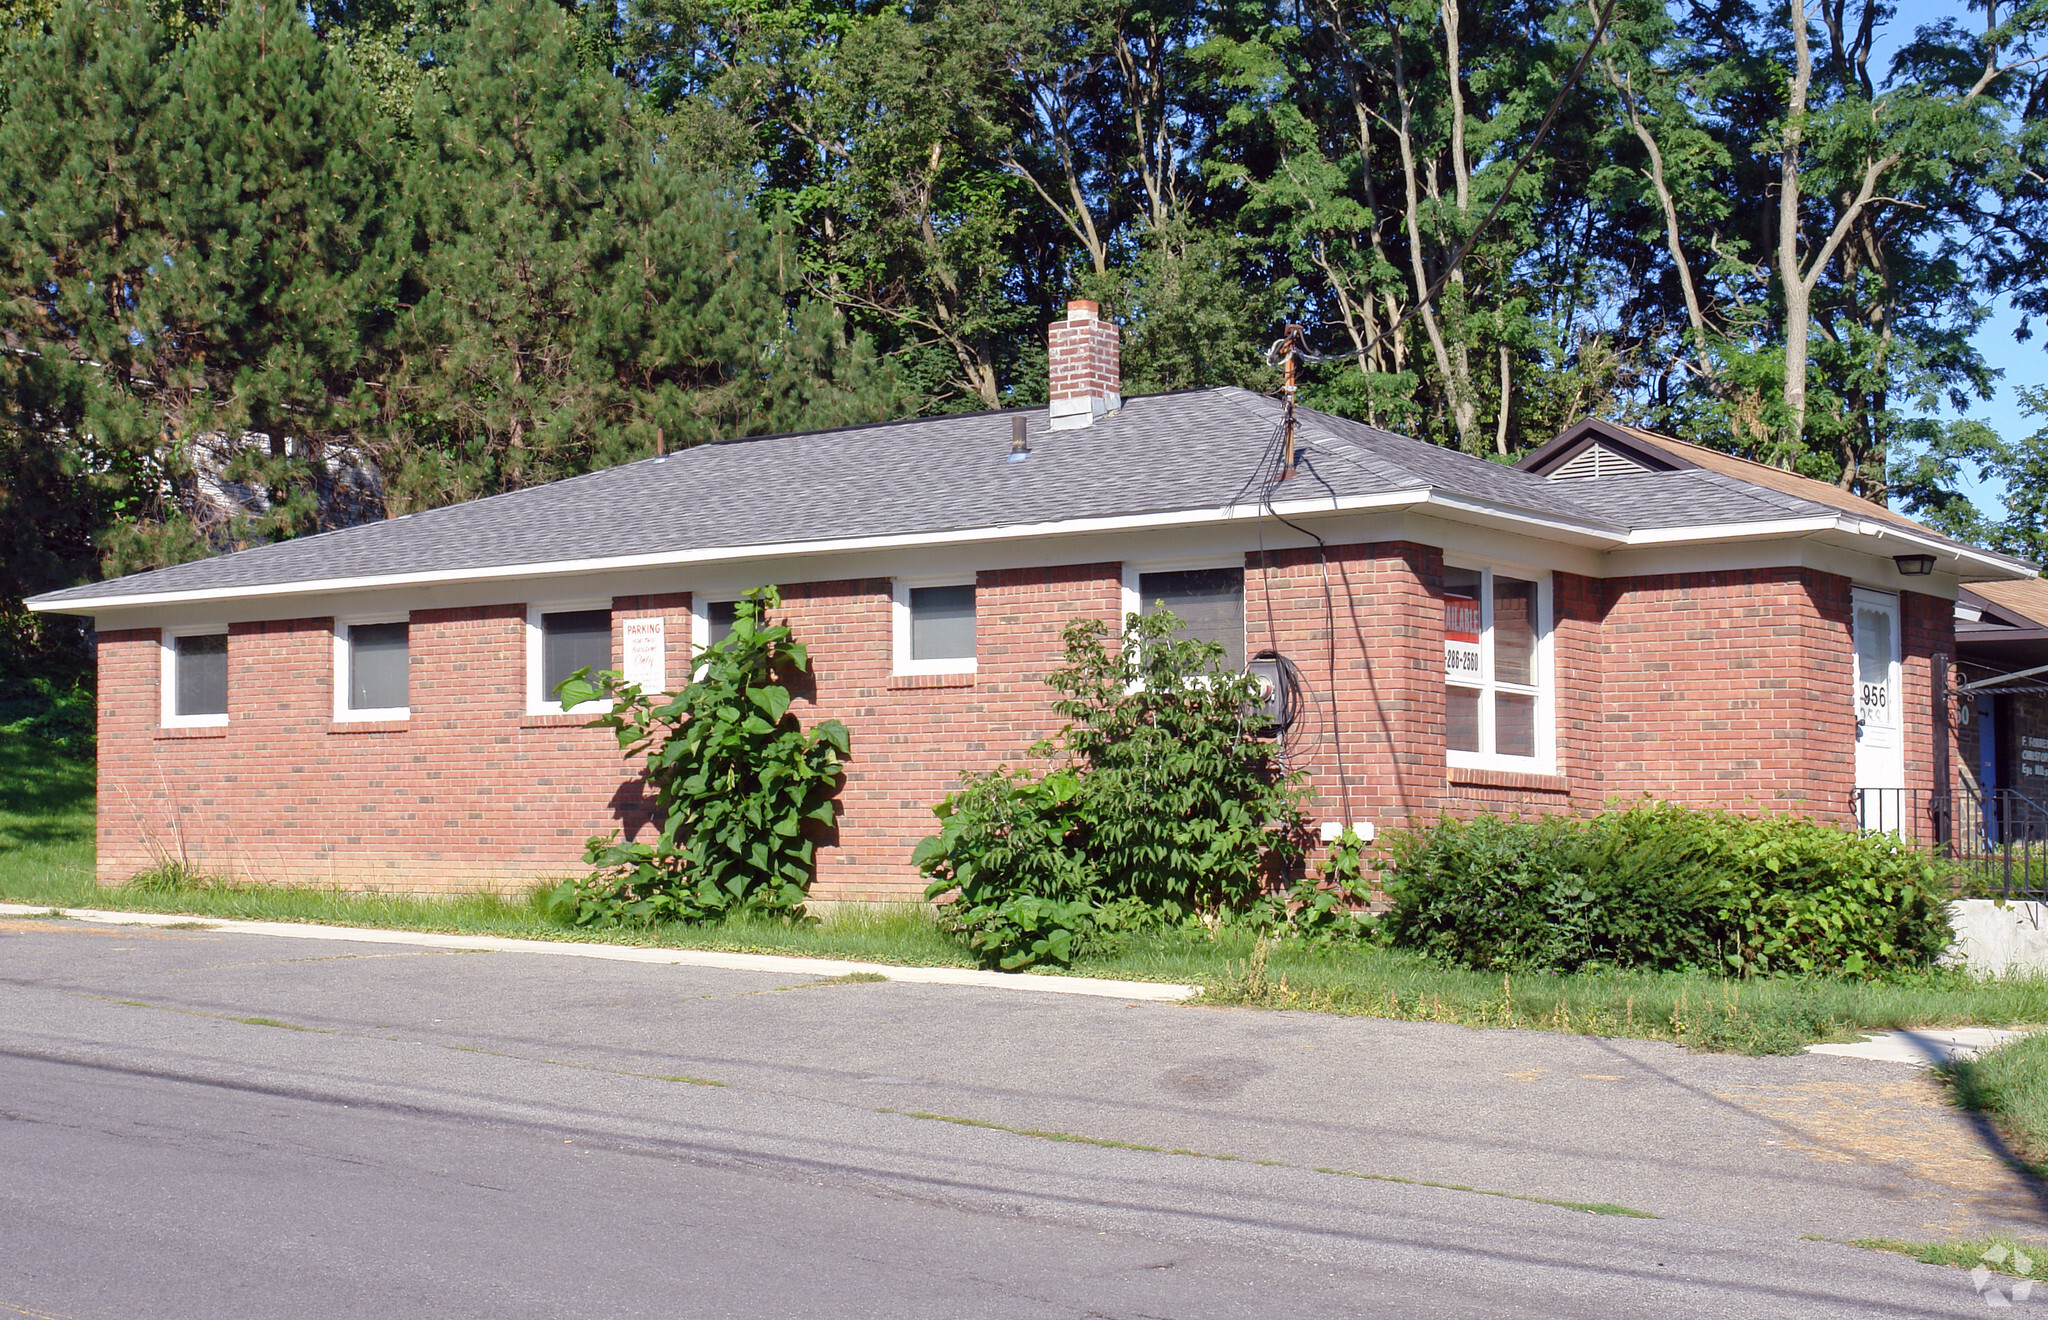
1664, 886
740, 786
1161, 807
1022, 893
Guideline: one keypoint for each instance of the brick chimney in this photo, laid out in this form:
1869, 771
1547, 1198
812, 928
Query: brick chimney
1087, 374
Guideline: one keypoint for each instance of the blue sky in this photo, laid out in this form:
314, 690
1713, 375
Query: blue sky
2020, 364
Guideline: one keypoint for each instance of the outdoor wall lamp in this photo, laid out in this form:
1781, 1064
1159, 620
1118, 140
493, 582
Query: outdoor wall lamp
1914, 565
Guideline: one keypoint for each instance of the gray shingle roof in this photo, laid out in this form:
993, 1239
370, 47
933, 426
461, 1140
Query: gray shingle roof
1203, 449
1691, 497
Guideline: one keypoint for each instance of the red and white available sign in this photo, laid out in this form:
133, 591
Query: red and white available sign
1461, 638
647, 654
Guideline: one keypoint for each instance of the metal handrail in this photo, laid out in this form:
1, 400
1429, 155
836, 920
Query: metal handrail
1999, 836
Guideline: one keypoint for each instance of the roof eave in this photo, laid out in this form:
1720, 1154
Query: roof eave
53, 603
1968, 562
1984, 565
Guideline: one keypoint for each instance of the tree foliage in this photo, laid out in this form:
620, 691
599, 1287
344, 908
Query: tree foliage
253, 291
269, 270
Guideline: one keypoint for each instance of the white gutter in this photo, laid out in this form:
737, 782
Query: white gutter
1456, 507
729, 554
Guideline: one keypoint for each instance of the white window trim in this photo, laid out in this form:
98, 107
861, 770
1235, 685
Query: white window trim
167, 683
1545, 687
537, 701
1136, 568
899, 620
700, 625
700, 616
342, 711
1133, 600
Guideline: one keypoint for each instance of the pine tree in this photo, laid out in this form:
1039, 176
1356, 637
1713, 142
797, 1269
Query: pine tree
580, 288
81, 172
197, 257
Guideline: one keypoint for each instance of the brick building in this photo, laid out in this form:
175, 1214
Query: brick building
370, 706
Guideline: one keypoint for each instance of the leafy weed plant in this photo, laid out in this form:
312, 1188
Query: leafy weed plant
1163, 805
741, 788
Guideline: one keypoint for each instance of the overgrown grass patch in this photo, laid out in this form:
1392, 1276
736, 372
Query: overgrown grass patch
2010, 1084
46, 859
1761, 1015
2000, 1255
884, 933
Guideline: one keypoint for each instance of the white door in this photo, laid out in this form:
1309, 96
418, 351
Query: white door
1880, 732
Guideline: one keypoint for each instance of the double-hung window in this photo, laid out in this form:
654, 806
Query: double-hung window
1497, 669
1209, 602
195, 677
934, 627
561, 639
372, 670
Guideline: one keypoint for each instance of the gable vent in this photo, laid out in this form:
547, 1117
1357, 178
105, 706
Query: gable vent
1596, 461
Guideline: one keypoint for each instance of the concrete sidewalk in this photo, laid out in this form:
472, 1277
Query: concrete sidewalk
738, 962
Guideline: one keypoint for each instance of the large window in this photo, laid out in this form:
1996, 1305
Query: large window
1208, 601
934, 628
195, 677
1496, 681
372, 664
561, 641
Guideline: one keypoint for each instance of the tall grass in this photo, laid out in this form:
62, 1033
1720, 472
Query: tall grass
897, 933
2011, 1084
1760, 1015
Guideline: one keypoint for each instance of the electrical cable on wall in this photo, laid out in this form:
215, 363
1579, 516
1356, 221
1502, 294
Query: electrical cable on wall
1290, 349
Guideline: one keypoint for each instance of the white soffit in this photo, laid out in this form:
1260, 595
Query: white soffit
1860, 535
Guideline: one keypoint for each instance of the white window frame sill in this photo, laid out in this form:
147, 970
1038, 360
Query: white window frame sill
537, 702
371, 716
1544, 690
194, 722
343, 712
900, 663
167, 678
1514, 765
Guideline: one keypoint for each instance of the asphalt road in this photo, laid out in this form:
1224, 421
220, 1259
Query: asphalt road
202, 1125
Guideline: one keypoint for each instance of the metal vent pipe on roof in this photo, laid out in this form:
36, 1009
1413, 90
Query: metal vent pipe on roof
1019, 448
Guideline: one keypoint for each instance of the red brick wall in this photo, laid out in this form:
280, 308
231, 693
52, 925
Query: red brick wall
914, 735
1927, 637
1720, 688
1730, 689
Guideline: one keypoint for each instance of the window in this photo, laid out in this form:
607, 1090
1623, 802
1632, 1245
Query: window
195, 678
718, 619
1208, 601
372, 679
560, 642
1496, 684
934, 627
